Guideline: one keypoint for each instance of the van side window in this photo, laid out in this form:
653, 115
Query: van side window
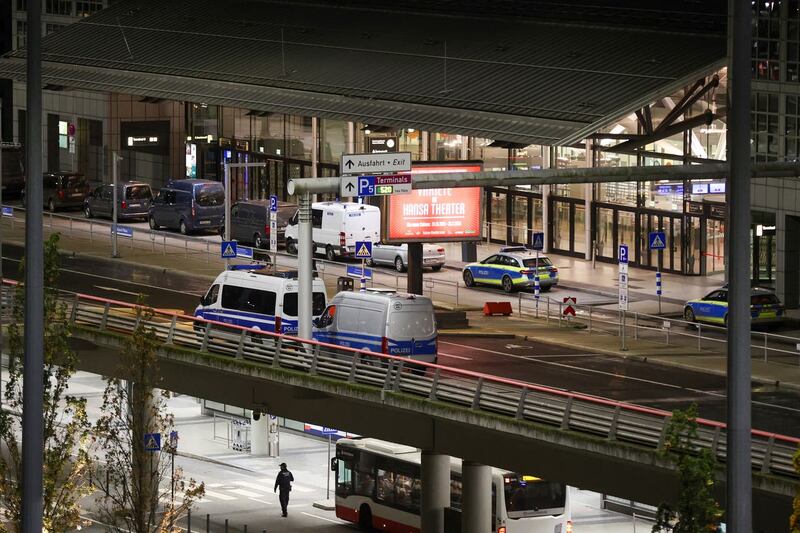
212, 295
169, 197
182, 197
248, 300
316, 218
290, 304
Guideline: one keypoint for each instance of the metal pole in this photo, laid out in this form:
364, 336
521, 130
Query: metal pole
114, 206
305, 265
328, 470
363, 284
739, 475
33, 389
227, 177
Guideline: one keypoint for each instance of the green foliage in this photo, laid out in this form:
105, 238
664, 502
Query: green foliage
66, 426
794, 520
136, 485
697, 510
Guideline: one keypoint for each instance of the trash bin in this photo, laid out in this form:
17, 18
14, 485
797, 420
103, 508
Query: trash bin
344, 284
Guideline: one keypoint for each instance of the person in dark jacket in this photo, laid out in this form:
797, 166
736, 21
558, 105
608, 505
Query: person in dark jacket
284, 482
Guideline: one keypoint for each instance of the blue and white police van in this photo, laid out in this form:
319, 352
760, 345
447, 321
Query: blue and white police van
383, 322
254, 299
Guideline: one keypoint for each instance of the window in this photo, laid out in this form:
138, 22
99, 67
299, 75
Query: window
764, 299
764, 134
210, 195
543, 261
58, 7
87, 7
344, 477
411, 324
52, 28
248, 300
717, 296
316, 218
211, 295
526, 493
138, 192
290, 304
106, 194
491, 260
22, 5
766, 40
22, 33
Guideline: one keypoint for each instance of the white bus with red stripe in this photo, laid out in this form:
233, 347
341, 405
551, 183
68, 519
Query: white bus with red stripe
378, 487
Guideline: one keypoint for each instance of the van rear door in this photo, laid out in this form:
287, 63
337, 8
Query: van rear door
209, 205
363, 224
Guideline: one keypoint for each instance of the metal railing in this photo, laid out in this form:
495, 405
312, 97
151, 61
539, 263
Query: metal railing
579, 413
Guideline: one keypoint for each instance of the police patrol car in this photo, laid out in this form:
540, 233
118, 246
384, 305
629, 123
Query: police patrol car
713, 307
512, 268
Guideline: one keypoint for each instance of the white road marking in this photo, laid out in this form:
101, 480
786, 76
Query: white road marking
265, 502
442, 354
220, 496
245, 493
255, 486
323, 518
114, 289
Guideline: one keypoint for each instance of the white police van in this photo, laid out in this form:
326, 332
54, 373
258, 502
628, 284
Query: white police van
336, 226
383, 322
257, 300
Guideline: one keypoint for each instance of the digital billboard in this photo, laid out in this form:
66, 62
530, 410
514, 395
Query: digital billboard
435, 215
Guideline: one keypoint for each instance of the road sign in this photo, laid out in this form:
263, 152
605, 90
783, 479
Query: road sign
152, 442
8, 211
228, 249
384, 185
623, 299
273, 231
570, 301
173, 440
244, 252
369, 163
329, 431
273, 203
348, 186
363, 250
355, 272
658, 283
623, 253
123, 231
537, 240
658, 240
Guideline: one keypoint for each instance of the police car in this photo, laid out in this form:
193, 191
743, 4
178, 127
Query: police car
713, 307
512, 268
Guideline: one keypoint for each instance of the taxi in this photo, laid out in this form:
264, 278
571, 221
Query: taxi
765, 307
513, 268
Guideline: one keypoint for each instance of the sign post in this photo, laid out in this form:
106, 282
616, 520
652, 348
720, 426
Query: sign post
173, 449
329, 432
623, 292
363, 252
273, 230
537, 240
658, 241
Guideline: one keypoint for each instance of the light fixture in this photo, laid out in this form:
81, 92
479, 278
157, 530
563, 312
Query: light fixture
367, 132
411, 130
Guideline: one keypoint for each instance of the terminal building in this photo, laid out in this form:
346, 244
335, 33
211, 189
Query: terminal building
179, 88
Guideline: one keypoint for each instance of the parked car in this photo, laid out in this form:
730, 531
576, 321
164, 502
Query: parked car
250, 222
512, 268
133, 201
188, 205
63, 190
396, 255
336, 226
765, 307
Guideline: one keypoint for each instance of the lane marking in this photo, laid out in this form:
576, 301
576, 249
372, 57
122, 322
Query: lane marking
455, 356
114, 289
322, 518
533, 358
220, 496
254, 486
245, 493
265, 502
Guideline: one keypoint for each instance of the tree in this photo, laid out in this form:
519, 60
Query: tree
697, 510
66, 427
138, 492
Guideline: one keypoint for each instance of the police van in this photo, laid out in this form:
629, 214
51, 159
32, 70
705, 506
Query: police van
383, 322
253, 299
336, 226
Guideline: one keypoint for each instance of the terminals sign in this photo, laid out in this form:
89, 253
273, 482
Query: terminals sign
363, 250
152, 442
658, 240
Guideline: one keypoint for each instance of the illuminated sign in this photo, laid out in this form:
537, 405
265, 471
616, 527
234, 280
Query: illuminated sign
145, 140
435, 215
191, 160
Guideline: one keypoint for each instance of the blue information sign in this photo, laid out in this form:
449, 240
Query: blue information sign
329, 431
273, 203
623, 253
8, 211
244, 252
228, 249
658, 240
537, 240
363, 249
123, 231
366, 185
355, 272
152, 442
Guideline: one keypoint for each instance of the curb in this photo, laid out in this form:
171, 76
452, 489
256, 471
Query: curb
477, 334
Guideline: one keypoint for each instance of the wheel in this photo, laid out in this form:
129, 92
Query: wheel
508, 285
330, 254
365, 518
183, 228
725, 320
398, 264
257, 242
469, 281
370, 262
221, 231
51, 205
437, 268
87, 212
152, 220
545, 289
291, 246
688, 315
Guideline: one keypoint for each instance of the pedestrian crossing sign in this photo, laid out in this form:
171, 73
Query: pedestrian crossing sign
658, 240
363, 250
152, 442
228, 250
537, 241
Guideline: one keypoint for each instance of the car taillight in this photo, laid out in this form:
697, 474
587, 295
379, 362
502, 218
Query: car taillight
193, 212
527, 271
440, 250
342, 239
124, 204
61, 194
385, 345
277, 324
553, 270
266, 230
501, 529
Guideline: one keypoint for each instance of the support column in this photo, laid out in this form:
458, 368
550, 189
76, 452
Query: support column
414, 276
259, 444
351, 138
476, 514
588, 189
314, 149
464, 147
305, 266
423, 139
435, 470
547, 162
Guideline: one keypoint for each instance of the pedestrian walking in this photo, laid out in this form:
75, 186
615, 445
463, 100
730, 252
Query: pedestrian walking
284, 482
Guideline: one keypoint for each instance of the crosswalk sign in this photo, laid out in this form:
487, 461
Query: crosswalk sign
658, 240
537, 240
152, 442
363, 250
228, 250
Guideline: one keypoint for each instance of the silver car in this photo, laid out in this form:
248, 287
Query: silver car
396, 255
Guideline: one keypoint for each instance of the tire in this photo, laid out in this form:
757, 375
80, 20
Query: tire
51, 205
469, 281
291, 246
87, 212
183, 228
330, 254
152, 220
257, 241
508, 284
398, 264
365, 518
437, 268
545, 289
370, 262
688, 315
725, 320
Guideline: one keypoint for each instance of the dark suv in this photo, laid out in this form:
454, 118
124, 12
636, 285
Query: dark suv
63, 190
250, 222
189, 205
133, 201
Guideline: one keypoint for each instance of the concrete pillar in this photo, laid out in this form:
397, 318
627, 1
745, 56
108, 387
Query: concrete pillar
548, 161
464, 147
435, 491
351, 138
314, 150
423, 139
476, 514
259, 444
587, 194
414, 266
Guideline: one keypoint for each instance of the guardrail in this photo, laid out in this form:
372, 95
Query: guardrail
570, 411
769, 347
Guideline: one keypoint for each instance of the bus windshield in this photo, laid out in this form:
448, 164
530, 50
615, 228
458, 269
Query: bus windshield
528, 493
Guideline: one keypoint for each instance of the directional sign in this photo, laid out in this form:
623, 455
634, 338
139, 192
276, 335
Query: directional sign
363, 250
658, 240
8, 211
569, 302
228, 250
384, 185
623, 300
273, 231
173, 440
244, 252
537, 240
370, 163
123, 231
623, 253
355, 272
329, 431
348, 186
152, 442
273, 203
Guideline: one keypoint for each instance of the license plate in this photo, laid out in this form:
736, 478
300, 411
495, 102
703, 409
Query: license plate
205, 222
428, 260
135, 205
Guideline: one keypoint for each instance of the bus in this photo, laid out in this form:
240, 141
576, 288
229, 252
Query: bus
378, 487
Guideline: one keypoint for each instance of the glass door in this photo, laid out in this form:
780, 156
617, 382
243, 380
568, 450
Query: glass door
693, 245
605, 233
560, 237
715, 248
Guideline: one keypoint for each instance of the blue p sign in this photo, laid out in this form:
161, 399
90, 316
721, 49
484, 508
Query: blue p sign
273, 203
623, 253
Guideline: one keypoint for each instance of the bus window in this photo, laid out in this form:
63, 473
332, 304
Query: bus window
344, 478
527, 493
385, 486
455, 491
365, 475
